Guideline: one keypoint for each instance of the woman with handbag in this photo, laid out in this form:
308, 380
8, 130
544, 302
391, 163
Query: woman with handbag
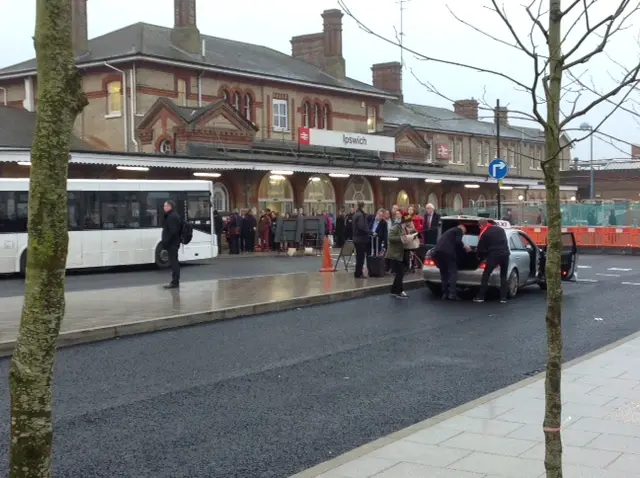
396, 252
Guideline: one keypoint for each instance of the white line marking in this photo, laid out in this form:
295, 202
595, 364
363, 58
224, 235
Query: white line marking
584, 267
619, 269
630, 283
608, 275
588, 280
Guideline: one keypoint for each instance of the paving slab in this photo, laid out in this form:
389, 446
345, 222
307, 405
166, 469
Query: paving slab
109, 313
500, 435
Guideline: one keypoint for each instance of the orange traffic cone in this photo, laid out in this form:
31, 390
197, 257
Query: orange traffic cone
327, 263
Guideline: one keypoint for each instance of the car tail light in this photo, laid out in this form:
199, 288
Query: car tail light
429, 262
483, 266
564, 273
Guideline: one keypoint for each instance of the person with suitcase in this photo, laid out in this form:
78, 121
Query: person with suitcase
396, 252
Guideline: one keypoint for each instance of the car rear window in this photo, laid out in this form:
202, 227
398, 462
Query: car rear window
470, 240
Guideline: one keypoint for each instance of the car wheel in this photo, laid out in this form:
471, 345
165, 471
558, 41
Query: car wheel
435, 289
513, 283
162, 257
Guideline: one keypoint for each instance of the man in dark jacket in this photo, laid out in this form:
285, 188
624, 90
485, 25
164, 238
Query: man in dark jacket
430, 224
361, 238
171, 239
493, 249
446, 251
348, 224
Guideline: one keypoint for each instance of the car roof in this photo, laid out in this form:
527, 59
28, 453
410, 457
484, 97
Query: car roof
465, 218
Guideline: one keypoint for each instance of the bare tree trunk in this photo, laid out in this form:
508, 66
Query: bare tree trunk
60, 100
551, 167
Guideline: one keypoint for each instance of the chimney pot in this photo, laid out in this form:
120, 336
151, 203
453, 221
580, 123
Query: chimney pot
80, 33
467, 108
388, 77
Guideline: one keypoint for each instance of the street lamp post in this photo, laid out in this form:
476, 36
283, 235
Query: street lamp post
592, 178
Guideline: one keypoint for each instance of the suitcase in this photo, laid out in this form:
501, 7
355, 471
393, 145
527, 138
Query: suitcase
375, 259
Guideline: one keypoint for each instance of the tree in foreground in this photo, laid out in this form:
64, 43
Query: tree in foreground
60, 100
561, 43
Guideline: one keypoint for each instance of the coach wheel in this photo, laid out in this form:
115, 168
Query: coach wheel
162, 257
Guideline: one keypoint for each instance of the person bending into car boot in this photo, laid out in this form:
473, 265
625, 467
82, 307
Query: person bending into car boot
446, 251
493, 249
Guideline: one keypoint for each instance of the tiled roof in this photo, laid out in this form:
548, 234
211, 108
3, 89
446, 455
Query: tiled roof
433, 118
18, 126
155, 41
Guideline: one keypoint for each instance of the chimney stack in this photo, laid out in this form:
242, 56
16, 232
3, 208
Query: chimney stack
185, 34
309, 48
388, 77
501, 115
332, 32
467, 109
80, 33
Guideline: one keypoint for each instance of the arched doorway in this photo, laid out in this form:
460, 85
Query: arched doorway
319, 195
359, 190
220, 198
481, 203
458, 203
433, 199
402, 200
275, 193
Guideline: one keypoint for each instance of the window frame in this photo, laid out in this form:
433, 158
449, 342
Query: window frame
113, 113
181, 92
247, 106
479, 150
372, 119
276, 104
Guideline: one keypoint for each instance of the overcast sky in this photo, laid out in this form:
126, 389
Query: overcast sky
429, 29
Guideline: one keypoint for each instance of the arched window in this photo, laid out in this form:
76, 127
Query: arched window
326, 115
165, 147
457, 203
248, 104
316, 116
306, 115
182, 92
220, 198
403, 199
114, 98
237, 102
275, 193
226, 96
433, 199
319, 195
359, 189
481, 203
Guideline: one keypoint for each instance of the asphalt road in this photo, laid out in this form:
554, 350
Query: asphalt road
225, 268
268, 396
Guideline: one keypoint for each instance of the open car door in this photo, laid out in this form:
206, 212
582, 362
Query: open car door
569, 259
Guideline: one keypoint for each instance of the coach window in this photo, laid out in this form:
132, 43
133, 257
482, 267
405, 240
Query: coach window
73, 206
90, 211
153, 208
198, 206
119, 210
7, 212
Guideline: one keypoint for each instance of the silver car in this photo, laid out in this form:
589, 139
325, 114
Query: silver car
526, 262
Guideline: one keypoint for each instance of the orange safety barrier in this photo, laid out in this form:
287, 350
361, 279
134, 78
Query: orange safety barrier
592, 236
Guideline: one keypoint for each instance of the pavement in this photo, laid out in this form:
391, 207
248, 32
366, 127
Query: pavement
272, 395
501, 435
224, 267
102, 314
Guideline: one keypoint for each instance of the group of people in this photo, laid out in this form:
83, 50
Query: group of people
244, 227
397, 235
